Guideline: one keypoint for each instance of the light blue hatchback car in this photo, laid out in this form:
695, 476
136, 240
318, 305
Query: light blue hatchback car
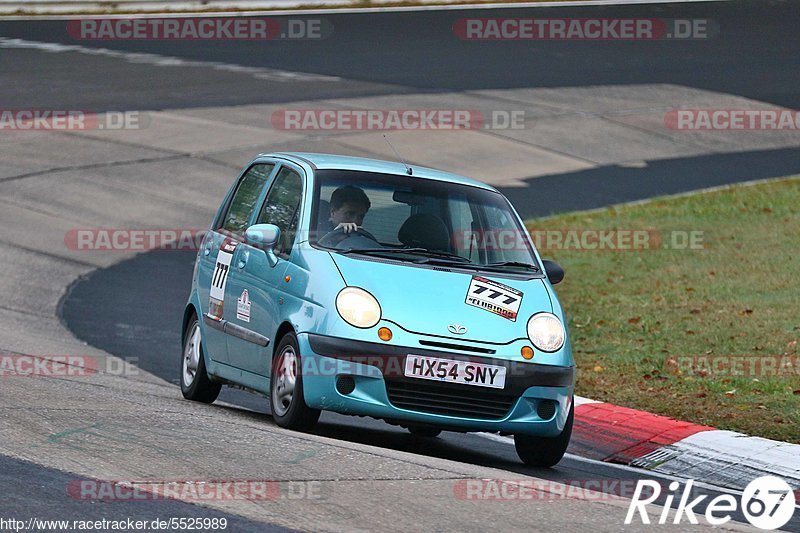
372, 288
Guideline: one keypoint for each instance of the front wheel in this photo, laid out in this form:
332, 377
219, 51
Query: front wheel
288, 407
195, 384
545, 451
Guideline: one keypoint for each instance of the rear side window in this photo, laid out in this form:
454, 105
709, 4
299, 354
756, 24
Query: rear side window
282, 207
244, 199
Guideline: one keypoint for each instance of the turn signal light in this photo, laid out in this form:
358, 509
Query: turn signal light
527, 352
385, 334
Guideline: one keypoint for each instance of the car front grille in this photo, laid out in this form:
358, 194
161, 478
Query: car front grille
448, 399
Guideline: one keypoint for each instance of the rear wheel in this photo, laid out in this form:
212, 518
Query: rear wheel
424, 431
545, 451
195, 384
288, 407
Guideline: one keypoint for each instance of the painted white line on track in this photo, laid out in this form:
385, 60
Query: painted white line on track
580, 400
168, 61
357, 10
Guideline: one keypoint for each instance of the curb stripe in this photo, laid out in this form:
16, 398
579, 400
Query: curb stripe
616, 434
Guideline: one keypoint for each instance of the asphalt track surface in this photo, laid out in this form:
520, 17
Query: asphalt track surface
754, 55
134, 324
28, 490
393, 53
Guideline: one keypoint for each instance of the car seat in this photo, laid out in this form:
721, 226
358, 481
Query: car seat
425, 231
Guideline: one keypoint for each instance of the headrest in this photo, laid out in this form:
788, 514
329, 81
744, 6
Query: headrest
425, 231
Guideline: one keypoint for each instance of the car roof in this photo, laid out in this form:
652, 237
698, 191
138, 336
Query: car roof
343, 162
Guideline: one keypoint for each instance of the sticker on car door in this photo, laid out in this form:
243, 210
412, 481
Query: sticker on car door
243, 306
494, 297
216, 299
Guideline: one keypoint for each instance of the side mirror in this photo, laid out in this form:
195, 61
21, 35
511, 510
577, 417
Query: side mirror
265, 237
554, 271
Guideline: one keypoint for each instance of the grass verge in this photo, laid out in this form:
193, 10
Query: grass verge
701, 320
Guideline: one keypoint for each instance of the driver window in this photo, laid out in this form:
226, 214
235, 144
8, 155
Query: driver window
244, 200
282, 208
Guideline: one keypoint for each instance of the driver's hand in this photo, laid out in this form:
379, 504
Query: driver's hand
347, 227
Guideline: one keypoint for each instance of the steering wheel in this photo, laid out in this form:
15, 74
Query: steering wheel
333, 238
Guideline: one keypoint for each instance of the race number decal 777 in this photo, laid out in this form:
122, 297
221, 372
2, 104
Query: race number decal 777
494, 297
216, 299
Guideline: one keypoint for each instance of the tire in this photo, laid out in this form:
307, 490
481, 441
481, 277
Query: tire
424, 431
288, 406
195, 384
545, 451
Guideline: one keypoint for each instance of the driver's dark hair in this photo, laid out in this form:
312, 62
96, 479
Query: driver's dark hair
349, 194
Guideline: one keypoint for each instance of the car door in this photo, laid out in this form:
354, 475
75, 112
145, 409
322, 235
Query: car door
254, 284
216, 257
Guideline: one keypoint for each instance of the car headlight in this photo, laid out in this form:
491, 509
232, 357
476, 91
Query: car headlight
358, 307
546, 332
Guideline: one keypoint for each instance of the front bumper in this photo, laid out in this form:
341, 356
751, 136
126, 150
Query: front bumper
535, 400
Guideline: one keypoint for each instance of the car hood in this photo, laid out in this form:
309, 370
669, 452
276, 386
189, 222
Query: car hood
427, 301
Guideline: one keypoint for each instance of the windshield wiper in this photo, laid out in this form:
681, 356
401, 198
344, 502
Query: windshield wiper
438, 254
513, 264
420, 251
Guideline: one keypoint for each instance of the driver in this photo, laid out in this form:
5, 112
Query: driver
349, 205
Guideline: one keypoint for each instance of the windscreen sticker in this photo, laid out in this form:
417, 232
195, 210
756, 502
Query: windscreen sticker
243, 306
494, 297
216, 300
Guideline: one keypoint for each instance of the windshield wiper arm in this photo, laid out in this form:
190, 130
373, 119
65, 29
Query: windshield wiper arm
442, 254
363, 250
421, 251
513, 264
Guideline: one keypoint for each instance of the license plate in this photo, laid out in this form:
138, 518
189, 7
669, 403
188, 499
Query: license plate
464, 372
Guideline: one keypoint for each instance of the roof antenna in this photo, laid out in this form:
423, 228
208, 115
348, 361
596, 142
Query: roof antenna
409, 170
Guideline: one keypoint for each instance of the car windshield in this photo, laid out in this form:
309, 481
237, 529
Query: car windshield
418, 220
